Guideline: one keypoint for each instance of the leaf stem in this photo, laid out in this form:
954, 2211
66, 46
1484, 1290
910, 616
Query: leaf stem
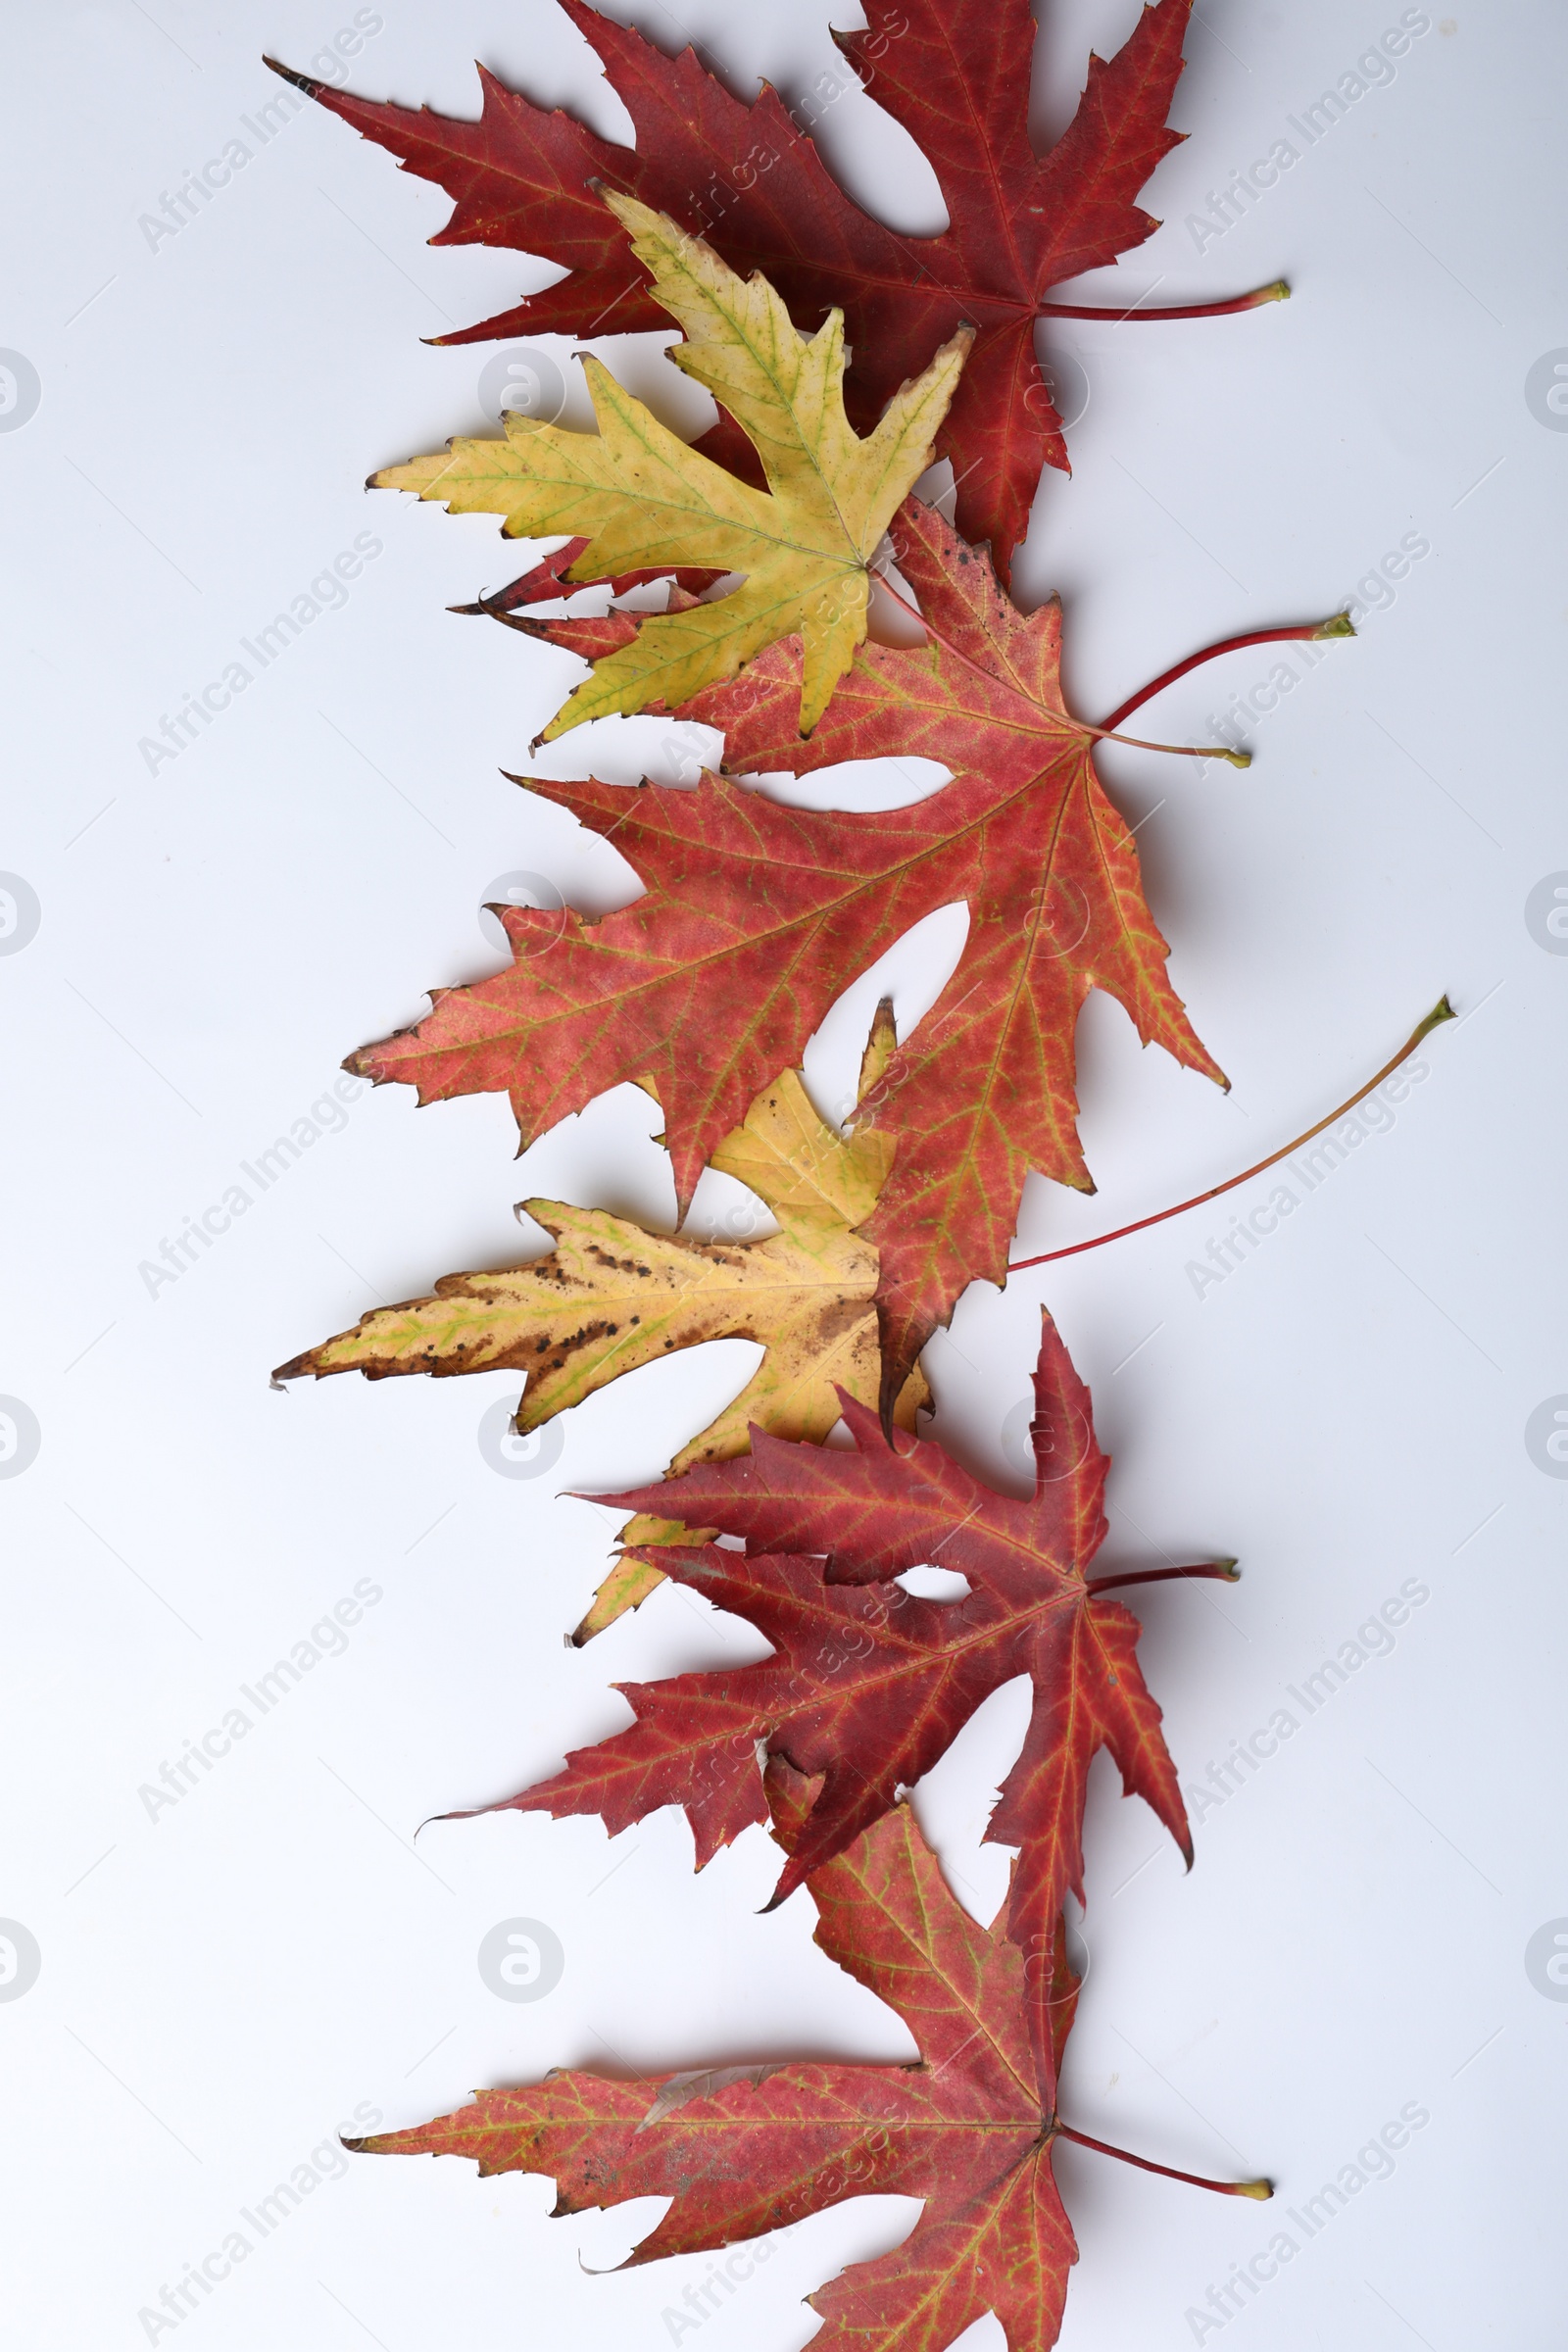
1144, 2164
1183, 751
1082, 726
1226, 1569
1442, 1012
1338, 625
1277, 290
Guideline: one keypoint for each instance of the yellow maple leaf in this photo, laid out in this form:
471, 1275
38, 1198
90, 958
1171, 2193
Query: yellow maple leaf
643, 499
611, 1296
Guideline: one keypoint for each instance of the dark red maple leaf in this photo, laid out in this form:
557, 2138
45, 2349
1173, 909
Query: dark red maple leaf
744, 2149
748, 2149
758, 916
956, 74
869, 1685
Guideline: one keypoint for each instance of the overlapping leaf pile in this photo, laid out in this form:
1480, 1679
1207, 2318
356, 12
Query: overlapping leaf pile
756, 917
957, 74
869, 1685
644, 498
707, 990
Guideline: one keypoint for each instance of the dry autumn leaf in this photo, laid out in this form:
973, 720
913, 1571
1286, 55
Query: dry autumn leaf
869, 1685
956, 76
968, 2127
643, 497
611, 1295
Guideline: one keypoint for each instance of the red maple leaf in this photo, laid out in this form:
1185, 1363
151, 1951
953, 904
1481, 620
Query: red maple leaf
746, 2149
869, 1685
957, 74
758, 916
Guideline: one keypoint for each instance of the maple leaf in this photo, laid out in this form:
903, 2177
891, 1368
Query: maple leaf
643, 497
969, 2127
957, 74
611, 1296
869, 1685
747, 2149
758, 916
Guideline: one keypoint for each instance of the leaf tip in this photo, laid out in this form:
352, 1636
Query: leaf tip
791, 1876
301, 81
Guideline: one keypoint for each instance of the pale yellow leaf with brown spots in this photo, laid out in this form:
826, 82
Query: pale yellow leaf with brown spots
611, 1296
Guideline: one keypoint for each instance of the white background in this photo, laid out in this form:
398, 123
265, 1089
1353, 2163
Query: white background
224, 1985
